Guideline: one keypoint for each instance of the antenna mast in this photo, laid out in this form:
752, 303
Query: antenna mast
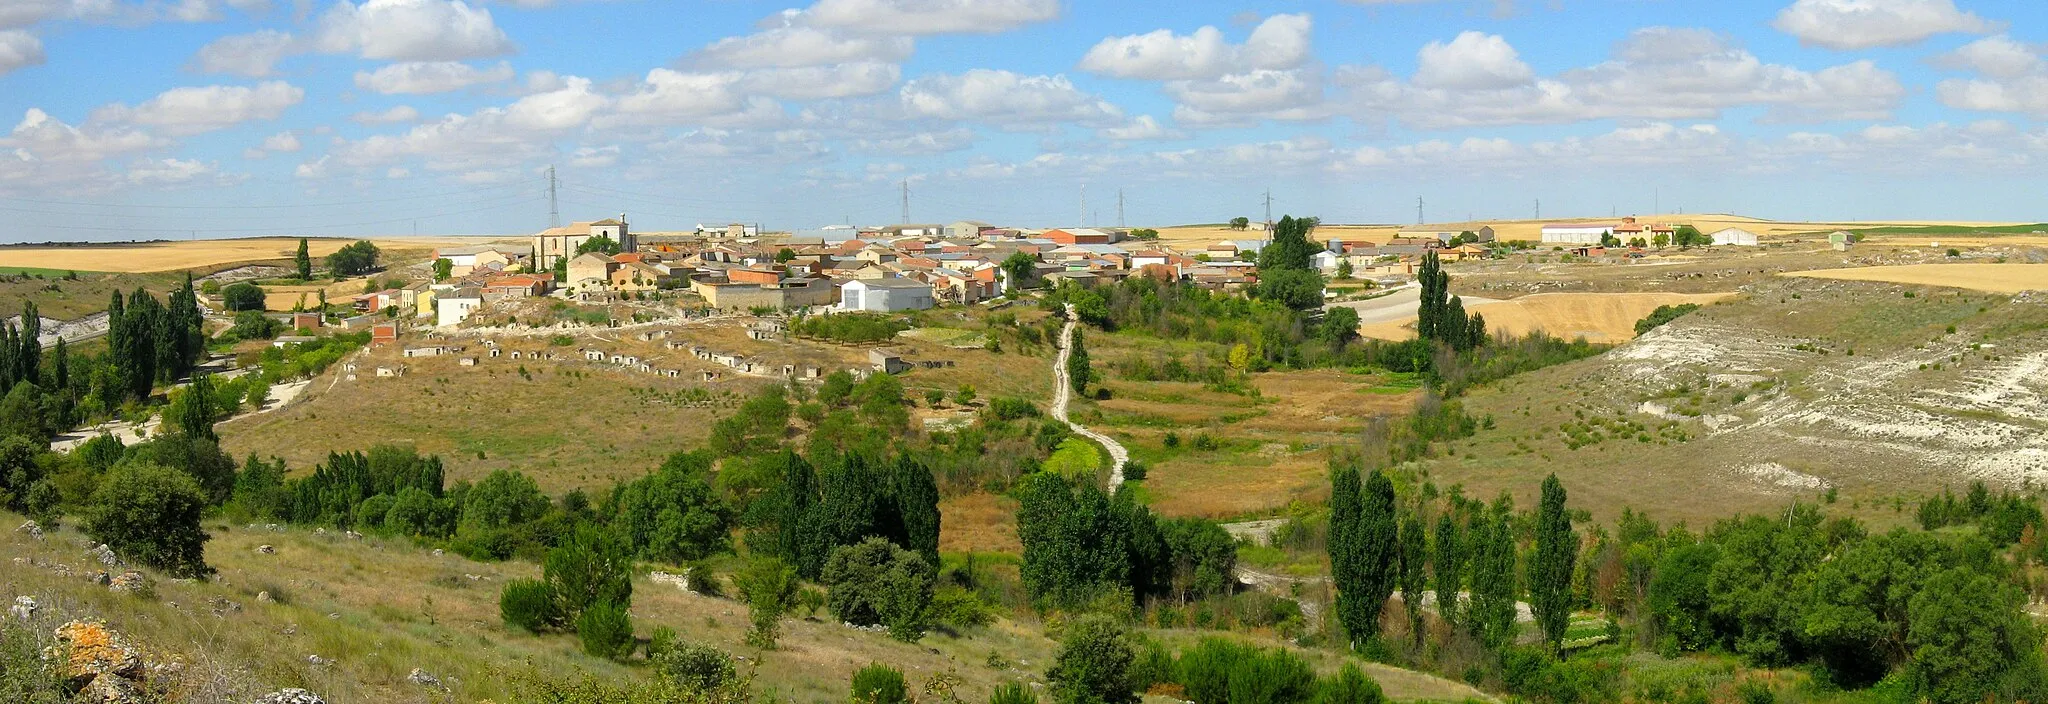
1269, 210
906, 201
1084, 205
554, 212
1119, 208
1418, 210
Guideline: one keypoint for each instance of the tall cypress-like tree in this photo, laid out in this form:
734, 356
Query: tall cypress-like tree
118, 363
1346, 559
1430, 308
1379, 544
917, 507
1448, 567
60, 365
29, 360
196, 412
1451, 329
1414, 557
304, 261
1494, 583
1550, 570
1078, 366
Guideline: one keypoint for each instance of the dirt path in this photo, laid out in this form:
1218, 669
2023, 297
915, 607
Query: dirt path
1062, 390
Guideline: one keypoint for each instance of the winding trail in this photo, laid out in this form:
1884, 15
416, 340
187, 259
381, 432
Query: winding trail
1063, 391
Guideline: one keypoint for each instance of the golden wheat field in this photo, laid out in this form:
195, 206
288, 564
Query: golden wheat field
174, 256
1598, 317
1992, 278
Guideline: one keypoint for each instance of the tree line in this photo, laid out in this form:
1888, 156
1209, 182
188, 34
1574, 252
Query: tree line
1938, 616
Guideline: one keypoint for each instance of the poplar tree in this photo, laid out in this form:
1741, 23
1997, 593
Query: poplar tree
917, 507
304, 261
1550, 570
1451, 329
1414, 557
1494, 585
1448, 567
1346, 559
1078, 369
1430, 310
1379, 544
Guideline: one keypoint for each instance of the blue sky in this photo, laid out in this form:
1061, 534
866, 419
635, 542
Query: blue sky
174, 118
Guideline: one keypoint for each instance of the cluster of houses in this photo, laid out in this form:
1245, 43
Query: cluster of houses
896, 267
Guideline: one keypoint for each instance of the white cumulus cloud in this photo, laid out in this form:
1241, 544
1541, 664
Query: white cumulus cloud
412, 30
193, 110
920, 17
1279, 42
401, 113
423, 77
1863, 24
255, 54
1003, 97
2012, 77
797, 45
19, 49
1474, 60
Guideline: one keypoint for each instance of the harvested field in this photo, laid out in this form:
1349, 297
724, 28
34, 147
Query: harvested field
1598, 317
1993, 278
173, 256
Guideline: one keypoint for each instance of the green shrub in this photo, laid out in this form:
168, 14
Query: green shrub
606, 630
1274, 676
876, 582
529, 605
150, 514
1350, 686
1153, 666
879, 684
1012, 693
1205, 669
690, 664
959, 608
1094, 663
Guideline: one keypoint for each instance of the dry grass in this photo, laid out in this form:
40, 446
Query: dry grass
1994, 278
979, 522
1598, 317
379, 607
572, 425
173, 256
1270, 450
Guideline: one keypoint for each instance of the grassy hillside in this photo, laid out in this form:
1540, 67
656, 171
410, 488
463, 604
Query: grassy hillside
378, 608
1881, 392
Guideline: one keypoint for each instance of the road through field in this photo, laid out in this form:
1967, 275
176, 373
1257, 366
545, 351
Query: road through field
1062, 391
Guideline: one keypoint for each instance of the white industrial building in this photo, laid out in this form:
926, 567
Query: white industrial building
1735, 236
885, 295
1576, 233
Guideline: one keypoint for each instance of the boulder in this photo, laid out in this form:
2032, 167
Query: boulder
110, 690
292, 695
94, 650
33, 529
129, 582
266, 549
24, 607
105, 555
424, 679
264, 598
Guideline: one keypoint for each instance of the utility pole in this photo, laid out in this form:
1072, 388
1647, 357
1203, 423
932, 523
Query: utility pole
554, 211
906, 202
1119, 208
1418, 210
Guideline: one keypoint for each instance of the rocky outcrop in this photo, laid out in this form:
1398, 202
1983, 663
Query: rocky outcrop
290, 696
100, 665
